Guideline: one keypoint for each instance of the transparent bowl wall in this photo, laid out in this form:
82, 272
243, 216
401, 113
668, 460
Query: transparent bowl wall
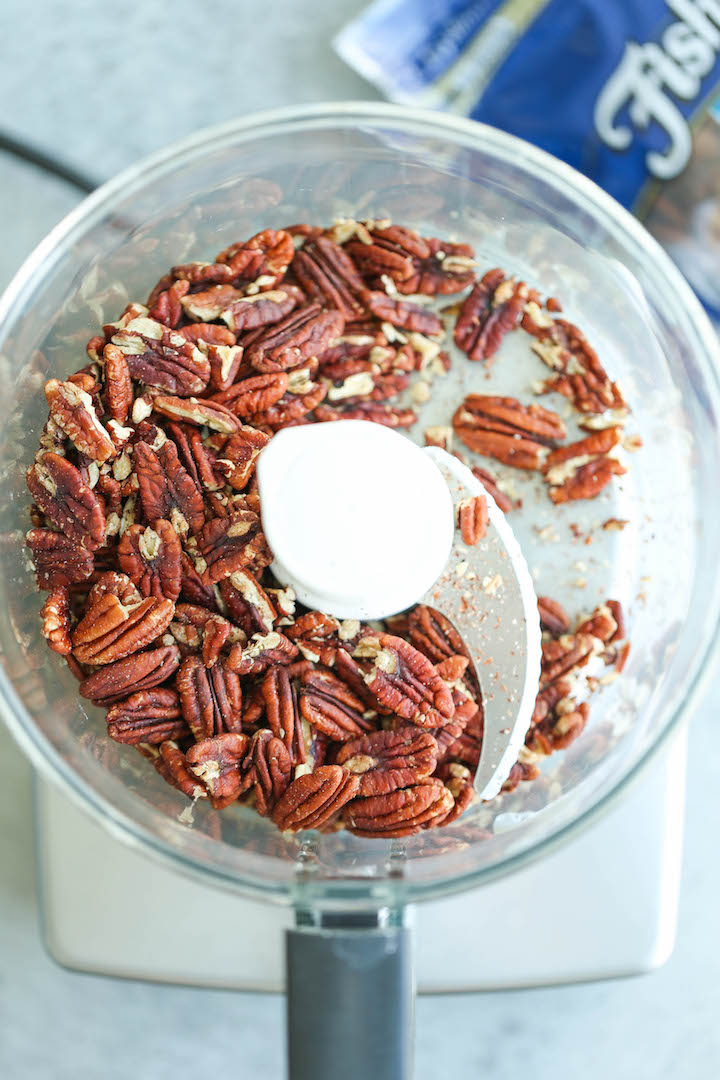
522, 210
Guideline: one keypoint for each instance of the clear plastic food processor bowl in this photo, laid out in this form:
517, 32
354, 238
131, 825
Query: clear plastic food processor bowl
522, 210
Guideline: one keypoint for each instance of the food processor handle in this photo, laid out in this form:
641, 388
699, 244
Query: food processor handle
350, 1003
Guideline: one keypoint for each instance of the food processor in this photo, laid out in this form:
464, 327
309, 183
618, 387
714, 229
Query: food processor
349, 957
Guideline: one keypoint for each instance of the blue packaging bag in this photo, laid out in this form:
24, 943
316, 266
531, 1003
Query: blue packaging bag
626, 91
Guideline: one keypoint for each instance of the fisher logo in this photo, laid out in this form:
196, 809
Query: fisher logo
648, 77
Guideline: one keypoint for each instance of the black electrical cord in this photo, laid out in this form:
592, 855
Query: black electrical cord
46, 162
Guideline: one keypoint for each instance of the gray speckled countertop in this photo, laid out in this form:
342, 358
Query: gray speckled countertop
102, 85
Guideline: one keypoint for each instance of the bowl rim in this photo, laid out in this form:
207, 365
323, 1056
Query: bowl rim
617, 219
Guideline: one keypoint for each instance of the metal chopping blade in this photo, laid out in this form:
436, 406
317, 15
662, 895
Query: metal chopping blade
486, 591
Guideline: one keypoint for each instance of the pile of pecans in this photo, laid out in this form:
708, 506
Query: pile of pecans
148, 533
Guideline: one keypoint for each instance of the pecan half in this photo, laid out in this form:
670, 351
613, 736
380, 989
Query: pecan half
493, 308
255, 394
263, 309
270, 768
389, 249
472, 516
216, 762
167, 303
198, 459
328, 274
70, 504
161, 357
225, 362
210, 698
173, 767
55, 616
118, 384
449, 268
166, 488
110, 630
403, 313
314, 799
553, 616
73, 411
489, 482
400, 813
459, 781
150, 556
202, 413
302, 397
329, 705
433, 634
57, 559
143, 671
260, 653
266, 255
403, 680
119, 585
304, 333
223, 543
581, 377
388, 760
281, 708
582, 469
502, 428
147, 716
316, 635
247, 602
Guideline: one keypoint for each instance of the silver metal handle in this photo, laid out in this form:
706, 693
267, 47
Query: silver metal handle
350, 1001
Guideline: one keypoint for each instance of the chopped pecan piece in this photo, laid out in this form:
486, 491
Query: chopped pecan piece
400, 813
70, 504
216, 762
118, 384
492, 310
553, 616
403, 680
166, 488
304, 333
239, 456
161, 357
270, 769
55, 616
502, 428
459, 781
150, 556
302, 397
143, 671
388, 760
328, 274
225, 362
489, 482
208, 304
57, 559
402, 313
110, 630
198, 459
202, 413
167, 304
314, 799
73, 411
147, 716
210, 698
329, 704
582, 469
316, 635
173, 767
260, 653
263, 309
472, 516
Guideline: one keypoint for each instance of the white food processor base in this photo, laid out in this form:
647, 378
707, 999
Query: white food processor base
602, 905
